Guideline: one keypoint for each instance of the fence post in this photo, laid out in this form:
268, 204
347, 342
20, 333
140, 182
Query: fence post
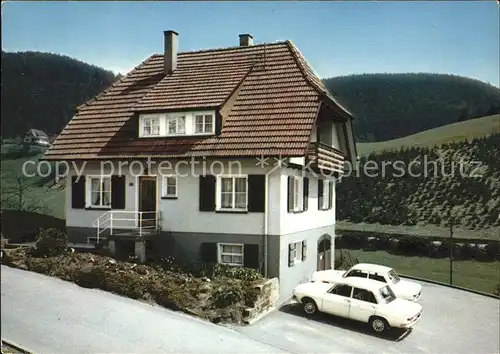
111, 223
451, 252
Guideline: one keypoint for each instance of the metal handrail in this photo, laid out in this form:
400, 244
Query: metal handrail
111, 222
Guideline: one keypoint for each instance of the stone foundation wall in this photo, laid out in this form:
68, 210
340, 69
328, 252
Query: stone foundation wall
269, 294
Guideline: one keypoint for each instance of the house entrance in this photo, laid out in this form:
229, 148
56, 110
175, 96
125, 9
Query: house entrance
147, 200
324, 252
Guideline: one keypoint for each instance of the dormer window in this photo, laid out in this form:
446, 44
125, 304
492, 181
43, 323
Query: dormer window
151, 126
204, 123
171, 124
176, 124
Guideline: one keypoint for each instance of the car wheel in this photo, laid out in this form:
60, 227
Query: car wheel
379, 324
310, 307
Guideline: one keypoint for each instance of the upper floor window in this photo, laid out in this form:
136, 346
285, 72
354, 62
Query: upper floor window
176, 125
325, 194
232, 193
184, 123
204, 123
151, 126
99, 191
298, 193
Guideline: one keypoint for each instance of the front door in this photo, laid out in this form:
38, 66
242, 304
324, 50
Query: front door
324, 253
147, 200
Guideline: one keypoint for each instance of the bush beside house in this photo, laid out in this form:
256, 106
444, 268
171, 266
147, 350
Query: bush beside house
216, 293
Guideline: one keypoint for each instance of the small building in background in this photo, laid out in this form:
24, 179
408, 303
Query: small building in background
36, 137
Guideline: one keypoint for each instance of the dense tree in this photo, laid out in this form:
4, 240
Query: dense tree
389, 106
458, 180
42, 90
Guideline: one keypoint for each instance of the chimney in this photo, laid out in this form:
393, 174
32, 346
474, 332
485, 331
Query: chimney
246, 40
170, 52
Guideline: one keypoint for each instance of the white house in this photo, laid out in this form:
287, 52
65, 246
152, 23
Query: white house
223, 155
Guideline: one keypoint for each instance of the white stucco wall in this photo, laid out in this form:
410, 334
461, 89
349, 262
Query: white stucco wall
310, 219
183, 215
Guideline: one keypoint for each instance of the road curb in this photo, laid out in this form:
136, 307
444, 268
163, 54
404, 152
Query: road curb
450, 286
17, 347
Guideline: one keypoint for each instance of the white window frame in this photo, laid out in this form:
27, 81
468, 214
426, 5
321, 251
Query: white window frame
326, 194
164, 189
220, 254
297, 252
88, 196
204, 116
298, 193
175, 117
219, 193
150, 119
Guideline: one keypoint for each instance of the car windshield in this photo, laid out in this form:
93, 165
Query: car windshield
393, 276
387, 294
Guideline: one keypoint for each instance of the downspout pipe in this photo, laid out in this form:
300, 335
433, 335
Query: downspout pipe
266, 221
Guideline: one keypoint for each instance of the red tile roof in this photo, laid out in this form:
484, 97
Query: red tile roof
273, 113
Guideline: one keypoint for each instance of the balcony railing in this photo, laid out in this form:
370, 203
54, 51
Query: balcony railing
126, 223
324, 157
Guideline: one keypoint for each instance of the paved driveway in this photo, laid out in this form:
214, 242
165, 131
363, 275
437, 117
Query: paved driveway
48, 315
453, 321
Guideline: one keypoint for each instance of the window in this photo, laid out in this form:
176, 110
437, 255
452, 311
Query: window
100, 192
341, 290
232, 193
364, 295
387, 294
297, 252
204, 123
357, 273
231, 254
393, 276
169, 189
325, 194
295, 194
151, 126
377, 277
176, 125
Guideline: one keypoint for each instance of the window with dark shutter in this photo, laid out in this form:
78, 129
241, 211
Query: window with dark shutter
209, 252
118, 192
320, 194
291, 254
330, 194
290, 194
256, 193
251, 256
305, 191
78, 192
207, 193
304, 250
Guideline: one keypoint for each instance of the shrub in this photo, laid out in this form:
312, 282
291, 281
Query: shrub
50, 243
497, 290
227, 296
43, 265
247, 274
125, 284
90, 277
251, 295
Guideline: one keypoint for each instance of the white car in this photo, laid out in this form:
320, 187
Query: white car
359, 299
403, 289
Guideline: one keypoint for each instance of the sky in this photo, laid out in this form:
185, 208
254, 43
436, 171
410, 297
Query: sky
337, 38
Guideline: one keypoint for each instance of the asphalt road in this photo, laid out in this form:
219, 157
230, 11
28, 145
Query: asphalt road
48, 315
453, 321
